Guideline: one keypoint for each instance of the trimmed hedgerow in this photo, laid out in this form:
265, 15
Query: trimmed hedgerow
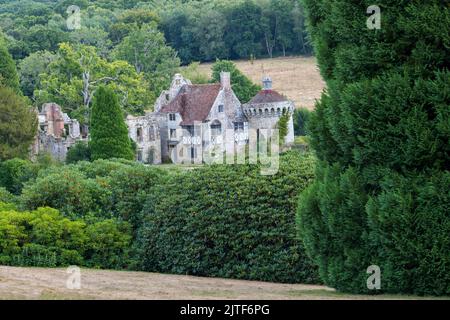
229, 221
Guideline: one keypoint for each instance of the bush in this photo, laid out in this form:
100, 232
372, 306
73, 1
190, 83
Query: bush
44, 238
102, 168
130, 187
103, 188
70, 191
79, 152
14, 173
6, 196
229, 221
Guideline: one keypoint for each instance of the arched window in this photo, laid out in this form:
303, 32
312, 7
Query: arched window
139, 134
216, 128
151, 134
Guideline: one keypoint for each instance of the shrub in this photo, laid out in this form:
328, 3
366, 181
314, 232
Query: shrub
130, 186
79, 152
101, 168
109, 245
14, 173
103, 188
45, 238
228, 221
68, 190
6, 196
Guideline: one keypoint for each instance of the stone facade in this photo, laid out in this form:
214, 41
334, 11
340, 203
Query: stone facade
195, 120
189, 122
146, 132
57, 132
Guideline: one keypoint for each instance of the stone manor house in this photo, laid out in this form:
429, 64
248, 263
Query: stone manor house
187, 121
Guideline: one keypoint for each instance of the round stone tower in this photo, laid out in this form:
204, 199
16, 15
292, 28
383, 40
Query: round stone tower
267, 107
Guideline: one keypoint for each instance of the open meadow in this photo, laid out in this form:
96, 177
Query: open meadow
298, 78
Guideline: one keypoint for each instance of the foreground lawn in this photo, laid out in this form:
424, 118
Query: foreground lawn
50, 284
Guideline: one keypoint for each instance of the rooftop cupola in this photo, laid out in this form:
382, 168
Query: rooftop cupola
267, 83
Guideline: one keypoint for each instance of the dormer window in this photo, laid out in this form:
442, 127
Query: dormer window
172, 117
167, 97
221, 108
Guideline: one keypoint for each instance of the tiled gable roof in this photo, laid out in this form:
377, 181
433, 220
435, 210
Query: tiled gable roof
193, 102
268, 96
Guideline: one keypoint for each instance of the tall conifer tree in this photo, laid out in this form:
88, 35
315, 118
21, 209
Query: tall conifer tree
381, 132
8, 72
109, 133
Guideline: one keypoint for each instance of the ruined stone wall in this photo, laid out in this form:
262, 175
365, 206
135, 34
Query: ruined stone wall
146, 132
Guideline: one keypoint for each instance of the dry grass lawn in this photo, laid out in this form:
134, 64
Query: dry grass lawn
50, 284
296, 77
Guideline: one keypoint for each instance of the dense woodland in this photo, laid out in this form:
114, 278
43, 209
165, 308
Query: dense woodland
197, 30
135, 47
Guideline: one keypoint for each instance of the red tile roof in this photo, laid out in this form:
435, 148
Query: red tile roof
268, 96
193, 102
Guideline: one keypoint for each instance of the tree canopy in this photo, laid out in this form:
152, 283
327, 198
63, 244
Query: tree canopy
18, 125
8, 73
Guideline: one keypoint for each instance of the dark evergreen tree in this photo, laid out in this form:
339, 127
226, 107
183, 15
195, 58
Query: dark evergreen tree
18, 125
8, 72
381, 132
109, 133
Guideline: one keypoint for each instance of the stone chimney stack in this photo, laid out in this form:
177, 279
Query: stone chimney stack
267, 83
225, 80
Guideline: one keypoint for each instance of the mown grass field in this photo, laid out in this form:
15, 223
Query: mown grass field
296, 77
50, 284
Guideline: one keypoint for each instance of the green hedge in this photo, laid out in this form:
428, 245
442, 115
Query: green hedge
45, 238
102, 189
68, 190
229, 221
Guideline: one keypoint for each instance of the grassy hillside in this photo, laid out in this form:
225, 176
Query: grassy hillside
296, 77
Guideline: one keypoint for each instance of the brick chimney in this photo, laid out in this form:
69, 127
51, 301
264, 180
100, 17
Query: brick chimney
225, 80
